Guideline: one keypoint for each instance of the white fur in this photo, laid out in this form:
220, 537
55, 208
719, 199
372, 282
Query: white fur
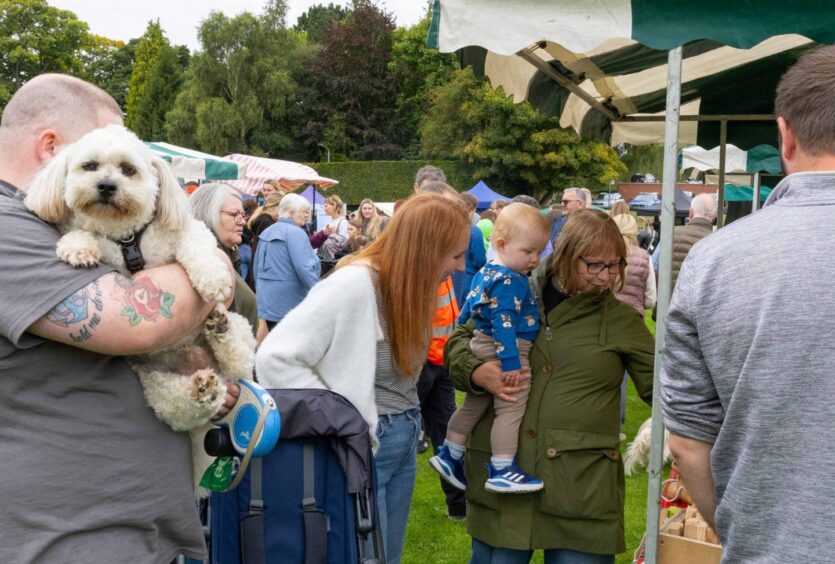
146, 193
637, 453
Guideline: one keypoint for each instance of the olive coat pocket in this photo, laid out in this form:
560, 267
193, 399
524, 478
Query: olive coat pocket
583, 475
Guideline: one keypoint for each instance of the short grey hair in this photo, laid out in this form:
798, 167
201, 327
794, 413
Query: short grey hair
705, 205
429, 173
292, 203
525, 199
208, 200
577, 193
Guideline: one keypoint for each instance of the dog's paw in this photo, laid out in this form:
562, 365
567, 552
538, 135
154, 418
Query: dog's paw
217, 289
79, 257
205, 386
217, 322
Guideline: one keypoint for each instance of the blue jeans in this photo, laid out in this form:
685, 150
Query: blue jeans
483, 553
395, 463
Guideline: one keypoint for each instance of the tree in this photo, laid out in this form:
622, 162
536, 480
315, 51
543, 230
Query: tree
349, 96
416, 69
238, 93
160, 94
317, 20
36, 38
108, 63
146, 57
513, 145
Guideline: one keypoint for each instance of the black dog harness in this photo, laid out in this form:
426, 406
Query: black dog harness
131, 252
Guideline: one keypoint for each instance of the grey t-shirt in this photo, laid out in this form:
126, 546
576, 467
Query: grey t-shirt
89, 474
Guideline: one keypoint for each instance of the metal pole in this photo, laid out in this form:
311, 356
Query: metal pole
668, 210
720, 193
755, 203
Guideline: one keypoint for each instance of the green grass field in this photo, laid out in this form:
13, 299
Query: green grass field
431, 538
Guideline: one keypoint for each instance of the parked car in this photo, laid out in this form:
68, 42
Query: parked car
644, 200
606, 200
644, 177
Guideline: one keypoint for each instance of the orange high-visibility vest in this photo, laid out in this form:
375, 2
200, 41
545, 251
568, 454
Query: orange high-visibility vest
444, 321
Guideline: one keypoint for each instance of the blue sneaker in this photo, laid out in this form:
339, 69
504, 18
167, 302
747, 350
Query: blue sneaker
511, 480
450, 469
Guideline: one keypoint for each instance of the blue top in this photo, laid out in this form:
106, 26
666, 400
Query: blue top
285, 267
501, 305
475, 260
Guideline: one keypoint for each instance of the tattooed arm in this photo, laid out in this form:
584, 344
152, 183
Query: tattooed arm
123, 316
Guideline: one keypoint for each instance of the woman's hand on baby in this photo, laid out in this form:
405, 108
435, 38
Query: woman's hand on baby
489, 377
511, 378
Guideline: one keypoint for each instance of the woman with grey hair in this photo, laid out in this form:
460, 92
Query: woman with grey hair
285, 265
219, 207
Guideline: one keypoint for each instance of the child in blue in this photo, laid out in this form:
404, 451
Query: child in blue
506, 318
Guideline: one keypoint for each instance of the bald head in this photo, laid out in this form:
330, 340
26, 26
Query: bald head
704, 206
57, 101
45, 114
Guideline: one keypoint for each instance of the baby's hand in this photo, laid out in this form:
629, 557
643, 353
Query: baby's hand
511, 378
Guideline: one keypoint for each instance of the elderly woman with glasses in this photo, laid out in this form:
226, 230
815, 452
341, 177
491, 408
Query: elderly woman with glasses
569, 436
219, 207
286, 266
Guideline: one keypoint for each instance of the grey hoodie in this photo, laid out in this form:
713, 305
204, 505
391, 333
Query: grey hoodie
748, 366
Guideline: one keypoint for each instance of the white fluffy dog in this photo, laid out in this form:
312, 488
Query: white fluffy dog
637, 453
108, 190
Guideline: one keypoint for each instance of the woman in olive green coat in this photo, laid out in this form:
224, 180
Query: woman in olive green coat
569, 437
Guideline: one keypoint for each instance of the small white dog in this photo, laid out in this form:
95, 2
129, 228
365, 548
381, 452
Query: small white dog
637, 453
114, 201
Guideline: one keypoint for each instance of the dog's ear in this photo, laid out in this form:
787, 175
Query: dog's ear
45, 196
173, 207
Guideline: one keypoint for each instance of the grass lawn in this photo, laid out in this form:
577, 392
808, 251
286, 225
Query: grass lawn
431, 538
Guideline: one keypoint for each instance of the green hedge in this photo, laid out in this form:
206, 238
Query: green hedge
384, 181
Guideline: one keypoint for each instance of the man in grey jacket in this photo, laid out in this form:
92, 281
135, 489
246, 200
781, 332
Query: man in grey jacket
748, 375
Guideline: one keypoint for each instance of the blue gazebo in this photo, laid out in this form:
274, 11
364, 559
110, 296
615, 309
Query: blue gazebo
485, 195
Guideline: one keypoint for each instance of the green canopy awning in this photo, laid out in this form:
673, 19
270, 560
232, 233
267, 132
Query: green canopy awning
734, 193
560, 55
762, 158
191, 164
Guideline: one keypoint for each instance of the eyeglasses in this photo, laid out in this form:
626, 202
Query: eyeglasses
566, 202
598, 267
235, 215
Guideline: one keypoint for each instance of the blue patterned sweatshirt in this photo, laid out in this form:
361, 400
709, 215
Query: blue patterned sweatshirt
501, 305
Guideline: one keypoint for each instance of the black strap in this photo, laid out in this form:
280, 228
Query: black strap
253, 545
316, 522
131, 251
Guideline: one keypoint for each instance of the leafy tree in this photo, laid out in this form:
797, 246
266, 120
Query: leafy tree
317, 20
350, 98
148, 51
108, 63
160, 93
36, 38
416, 69
513, 145
238, 93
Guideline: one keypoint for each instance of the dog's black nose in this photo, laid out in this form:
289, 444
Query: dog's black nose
106, 188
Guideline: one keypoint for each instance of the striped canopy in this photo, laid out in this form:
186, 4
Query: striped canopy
762, 158
289, 174
599, 64
194, 165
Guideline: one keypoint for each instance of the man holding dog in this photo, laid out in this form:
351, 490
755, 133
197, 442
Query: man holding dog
749, 377
89, 473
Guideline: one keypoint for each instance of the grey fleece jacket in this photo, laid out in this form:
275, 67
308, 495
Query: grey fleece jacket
749, 367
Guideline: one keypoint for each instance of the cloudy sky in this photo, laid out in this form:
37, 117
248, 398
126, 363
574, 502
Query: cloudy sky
126, 19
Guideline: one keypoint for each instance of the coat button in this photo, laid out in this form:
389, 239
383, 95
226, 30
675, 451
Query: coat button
546, 368
613, 454
551, 452
531, 433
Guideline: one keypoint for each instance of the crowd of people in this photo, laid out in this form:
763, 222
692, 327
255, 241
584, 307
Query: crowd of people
537, 315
